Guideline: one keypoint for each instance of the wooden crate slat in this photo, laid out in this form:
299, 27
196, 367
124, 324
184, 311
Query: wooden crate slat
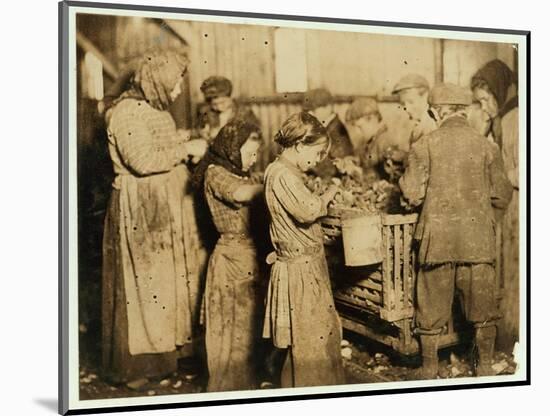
407, 297
386, 269
376, 277
349, 300
369, 284
365, 294
396, 314
397, 275
396, 219
332, 221
363, 329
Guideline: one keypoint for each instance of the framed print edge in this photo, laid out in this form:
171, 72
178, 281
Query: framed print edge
63, 237
320, 19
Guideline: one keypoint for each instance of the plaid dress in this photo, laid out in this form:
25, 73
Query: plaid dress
150, 247
232, 298
300, 313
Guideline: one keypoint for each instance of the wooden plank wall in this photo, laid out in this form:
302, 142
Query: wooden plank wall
348, 64
344, 62
366, 64
242, 53
135, 36
461, 59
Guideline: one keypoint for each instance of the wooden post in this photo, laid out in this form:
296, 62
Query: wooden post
439, 51
87, 45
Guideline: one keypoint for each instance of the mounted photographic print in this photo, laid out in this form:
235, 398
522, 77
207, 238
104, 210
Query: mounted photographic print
267, 207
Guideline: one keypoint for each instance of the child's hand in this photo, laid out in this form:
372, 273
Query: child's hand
405, 204
184, 134
257, 177
333, 189
204, 132
330, 193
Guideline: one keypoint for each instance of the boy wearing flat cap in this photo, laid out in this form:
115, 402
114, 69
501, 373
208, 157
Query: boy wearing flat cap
413, 91
319, 103
219, 107
457, 176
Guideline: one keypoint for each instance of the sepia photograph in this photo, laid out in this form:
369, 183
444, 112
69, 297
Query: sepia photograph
262, 207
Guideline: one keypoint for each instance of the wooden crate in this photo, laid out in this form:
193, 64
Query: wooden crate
389, 288
379, 301
398, 267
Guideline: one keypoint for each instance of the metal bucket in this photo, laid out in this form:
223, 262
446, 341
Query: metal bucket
362, 238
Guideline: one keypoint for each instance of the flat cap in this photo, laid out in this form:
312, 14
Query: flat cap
316, 98
363, 106
216, 86
450, 94
410, 81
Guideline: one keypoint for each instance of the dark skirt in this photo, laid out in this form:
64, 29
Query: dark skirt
233, 308
118, 365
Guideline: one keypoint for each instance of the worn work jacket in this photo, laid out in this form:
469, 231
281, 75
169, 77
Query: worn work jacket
458, 176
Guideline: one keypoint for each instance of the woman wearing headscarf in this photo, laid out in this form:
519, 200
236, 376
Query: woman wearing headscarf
150, 277
495, 88
232, 298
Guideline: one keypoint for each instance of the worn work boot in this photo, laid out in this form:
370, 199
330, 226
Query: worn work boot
430, 360
485, 343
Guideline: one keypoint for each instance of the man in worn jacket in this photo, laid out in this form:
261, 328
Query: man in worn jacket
458, 176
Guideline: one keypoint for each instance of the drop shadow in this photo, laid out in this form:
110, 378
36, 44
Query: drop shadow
49, 404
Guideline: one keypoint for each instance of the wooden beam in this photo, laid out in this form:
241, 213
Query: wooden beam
109, 68
183, 30
165, 24
296, 98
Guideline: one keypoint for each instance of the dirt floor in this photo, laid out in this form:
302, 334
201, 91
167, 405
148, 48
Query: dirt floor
365, 362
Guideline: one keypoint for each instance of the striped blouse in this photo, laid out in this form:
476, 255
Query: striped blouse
142, 140
294, 209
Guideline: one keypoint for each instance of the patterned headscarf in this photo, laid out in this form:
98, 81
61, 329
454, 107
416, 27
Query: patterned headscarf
498, 78
225, 150
157, 74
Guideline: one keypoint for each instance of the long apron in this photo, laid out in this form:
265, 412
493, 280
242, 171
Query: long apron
119, 365
150, 275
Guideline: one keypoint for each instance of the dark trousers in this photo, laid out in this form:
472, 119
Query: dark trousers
435, 291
